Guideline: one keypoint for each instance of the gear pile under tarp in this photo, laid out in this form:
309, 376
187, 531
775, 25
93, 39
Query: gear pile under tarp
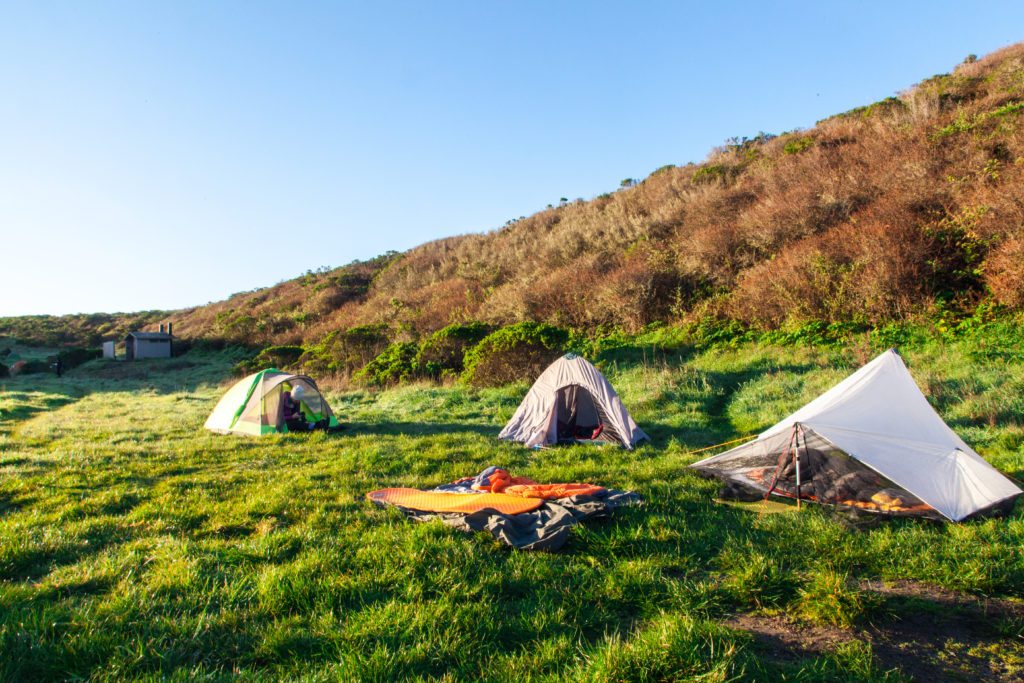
526, 516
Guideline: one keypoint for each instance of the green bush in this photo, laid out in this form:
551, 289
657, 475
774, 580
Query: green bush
964, 122
888, 105
74, 357
271, 357
798, 145
443, 352
346, 351
516, 352
712, 173
35, 367
393, 365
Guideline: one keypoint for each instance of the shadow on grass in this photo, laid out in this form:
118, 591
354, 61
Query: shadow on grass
36, 561
12, 503
724, 386
53, 399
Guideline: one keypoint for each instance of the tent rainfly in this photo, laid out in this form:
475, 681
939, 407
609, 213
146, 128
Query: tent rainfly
254, 406
871, 442
571, 400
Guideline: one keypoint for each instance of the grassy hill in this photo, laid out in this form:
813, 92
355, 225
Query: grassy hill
906, 208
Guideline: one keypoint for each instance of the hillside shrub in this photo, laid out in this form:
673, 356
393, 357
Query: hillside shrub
516, 352
393, 365
966, 122
443, 352
888, 105
712, 173
346, 351
798, 145
236, 328
35, 367
869, 272
639, 292
74, 357
1004, 273
271, 357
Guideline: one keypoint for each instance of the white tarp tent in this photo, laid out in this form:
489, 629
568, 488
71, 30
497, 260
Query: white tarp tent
571, 394
878, 417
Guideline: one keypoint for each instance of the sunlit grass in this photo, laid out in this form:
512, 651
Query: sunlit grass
134, 543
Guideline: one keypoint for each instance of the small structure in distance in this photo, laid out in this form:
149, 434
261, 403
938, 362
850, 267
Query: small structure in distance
139, 345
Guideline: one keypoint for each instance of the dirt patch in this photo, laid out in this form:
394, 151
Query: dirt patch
929, 634
989, 607
939, 635
785, 640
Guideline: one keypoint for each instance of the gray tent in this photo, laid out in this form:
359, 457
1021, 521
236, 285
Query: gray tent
572, 400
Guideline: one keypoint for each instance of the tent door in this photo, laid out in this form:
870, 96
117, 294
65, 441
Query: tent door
577, 416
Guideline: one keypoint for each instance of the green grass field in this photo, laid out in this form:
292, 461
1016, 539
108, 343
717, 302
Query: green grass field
134, 544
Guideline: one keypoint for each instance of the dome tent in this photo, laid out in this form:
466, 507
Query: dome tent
871, 442
571, 397
254, 406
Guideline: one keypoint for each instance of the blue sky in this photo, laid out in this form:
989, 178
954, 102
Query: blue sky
162, 155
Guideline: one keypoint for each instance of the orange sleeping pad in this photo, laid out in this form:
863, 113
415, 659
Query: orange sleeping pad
436, 501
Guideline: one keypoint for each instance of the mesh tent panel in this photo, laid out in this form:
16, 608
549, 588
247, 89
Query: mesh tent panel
827, 475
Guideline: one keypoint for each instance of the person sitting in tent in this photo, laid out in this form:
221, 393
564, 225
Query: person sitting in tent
296, 413
258, 404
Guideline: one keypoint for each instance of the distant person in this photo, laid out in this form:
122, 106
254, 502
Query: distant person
59, 367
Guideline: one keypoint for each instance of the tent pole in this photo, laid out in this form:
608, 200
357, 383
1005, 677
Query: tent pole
796, 459
782, 463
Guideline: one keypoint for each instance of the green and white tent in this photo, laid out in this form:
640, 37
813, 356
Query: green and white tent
254, 405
